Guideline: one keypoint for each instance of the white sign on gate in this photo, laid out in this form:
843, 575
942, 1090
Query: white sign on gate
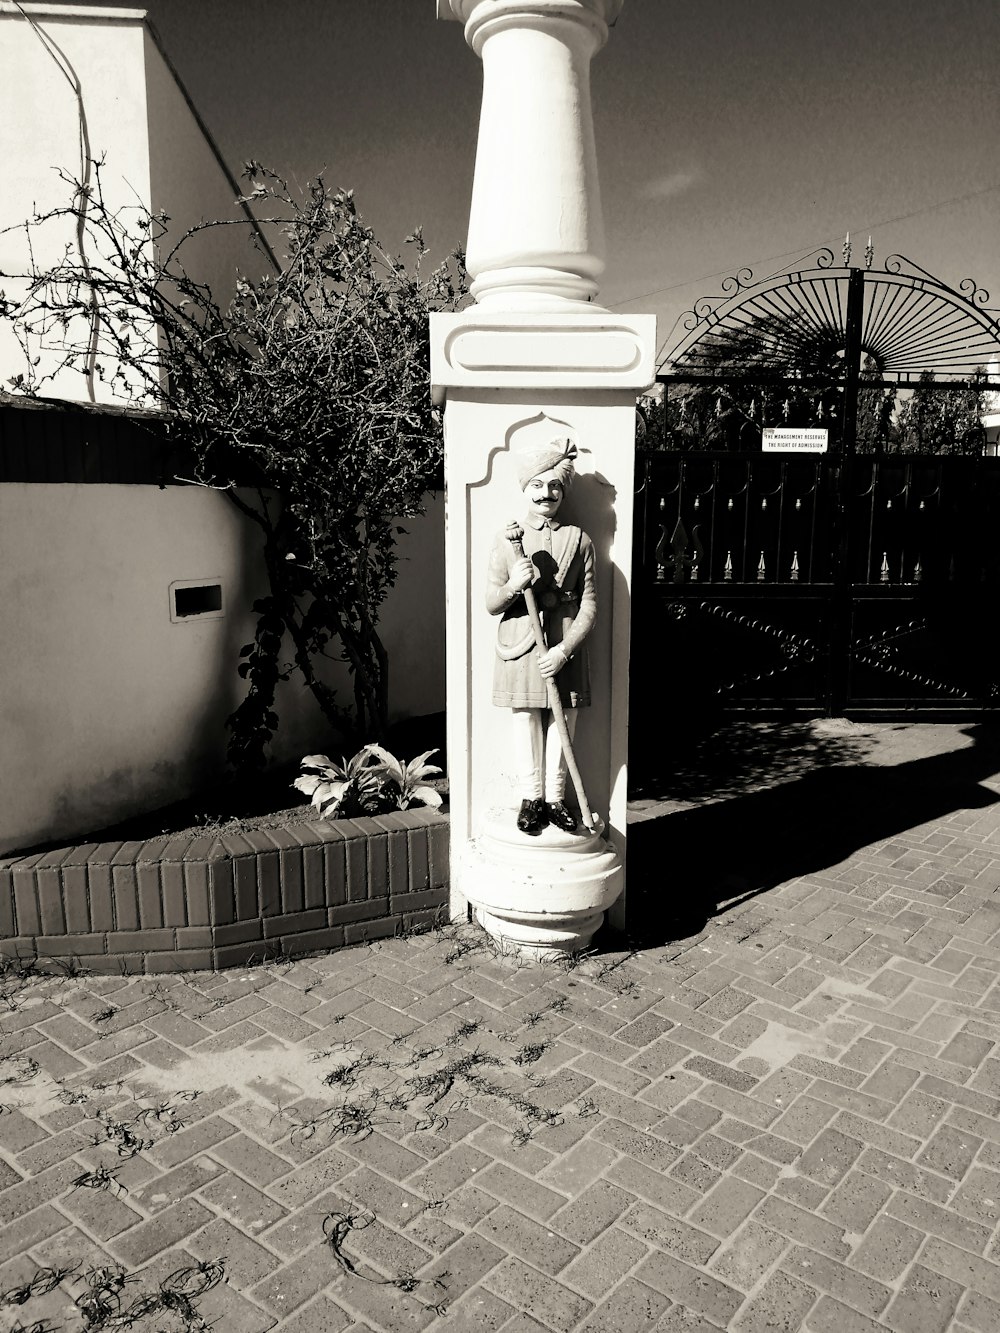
779, 440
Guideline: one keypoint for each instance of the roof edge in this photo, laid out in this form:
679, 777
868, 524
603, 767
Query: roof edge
93, 12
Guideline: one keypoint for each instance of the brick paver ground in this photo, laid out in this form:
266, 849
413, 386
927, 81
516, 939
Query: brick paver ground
787, 1119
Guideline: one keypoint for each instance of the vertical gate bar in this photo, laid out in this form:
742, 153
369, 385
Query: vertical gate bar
852, 357
814, 516
842, 478
782, 487
744, 572
874, 494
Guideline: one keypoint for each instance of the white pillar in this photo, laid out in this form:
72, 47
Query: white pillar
535, 359
535, 231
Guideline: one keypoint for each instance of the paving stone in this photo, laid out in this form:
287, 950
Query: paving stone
163, 1190
926, 1302
950, 1151
605, 1263
383, 1247
726, 1207
887, 1249
856, 1202
246, 1261
517, 1234
803, 1120
748, 1255
140, 1244
32, 1229
666, 1192
632, 1306
937, 1221
800, 1226
520, 1190
904, 1175
679, 1319
919, 1115
825, 1275
624, 1080
526, 1288
591, 1212
830, 1316
295, 1282
30, 1194
979, 1312
695, 1172
478, 1309
690, 1287
250, 1208
961, 1266
781, 1304
830, 1156
652, 1152
978, 1197
668, 1233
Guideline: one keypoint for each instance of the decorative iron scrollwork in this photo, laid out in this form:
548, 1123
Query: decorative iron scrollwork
880, 654
913, 321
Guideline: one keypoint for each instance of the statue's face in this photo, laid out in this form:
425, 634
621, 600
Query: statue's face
545, 493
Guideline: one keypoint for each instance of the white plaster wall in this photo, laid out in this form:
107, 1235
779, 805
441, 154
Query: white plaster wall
130, 111
108, 708
40, 130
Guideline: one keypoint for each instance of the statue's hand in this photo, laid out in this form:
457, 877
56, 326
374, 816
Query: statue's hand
552, 662
522, 575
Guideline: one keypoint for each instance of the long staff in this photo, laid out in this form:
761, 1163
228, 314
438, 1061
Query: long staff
514, 534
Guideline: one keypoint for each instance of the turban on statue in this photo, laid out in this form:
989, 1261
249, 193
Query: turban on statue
558, 453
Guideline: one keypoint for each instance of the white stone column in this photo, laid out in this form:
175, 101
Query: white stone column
536, 359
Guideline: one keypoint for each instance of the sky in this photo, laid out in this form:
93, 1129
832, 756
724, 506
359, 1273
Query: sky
729, 133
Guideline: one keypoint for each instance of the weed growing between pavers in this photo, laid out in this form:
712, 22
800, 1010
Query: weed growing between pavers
15, 1069
15, 976
338, 1226
101, 1178
122, 1133
103, 1306
478, 1064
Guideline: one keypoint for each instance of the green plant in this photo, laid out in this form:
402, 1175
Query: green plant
372, 782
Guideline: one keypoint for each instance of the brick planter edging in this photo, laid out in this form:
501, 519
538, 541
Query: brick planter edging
212, 901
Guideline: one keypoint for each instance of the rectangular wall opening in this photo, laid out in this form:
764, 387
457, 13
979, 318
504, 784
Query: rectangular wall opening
192, 600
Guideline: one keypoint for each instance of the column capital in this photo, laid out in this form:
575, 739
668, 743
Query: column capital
480, 15
536, 235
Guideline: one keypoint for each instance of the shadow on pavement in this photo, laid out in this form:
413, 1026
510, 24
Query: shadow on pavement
683, 864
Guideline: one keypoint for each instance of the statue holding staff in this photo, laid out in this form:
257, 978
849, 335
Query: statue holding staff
541, 583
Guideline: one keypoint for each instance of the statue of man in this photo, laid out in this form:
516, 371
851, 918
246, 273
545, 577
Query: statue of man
558, 565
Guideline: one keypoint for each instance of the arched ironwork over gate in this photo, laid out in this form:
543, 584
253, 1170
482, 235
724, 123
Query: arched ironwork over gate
819, 528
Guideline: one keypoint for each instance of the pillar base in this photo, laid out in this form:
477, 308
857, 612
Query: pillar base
542, 897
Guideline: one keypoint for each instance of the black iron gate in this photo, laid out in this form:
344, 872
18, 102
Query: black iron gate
860, 580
